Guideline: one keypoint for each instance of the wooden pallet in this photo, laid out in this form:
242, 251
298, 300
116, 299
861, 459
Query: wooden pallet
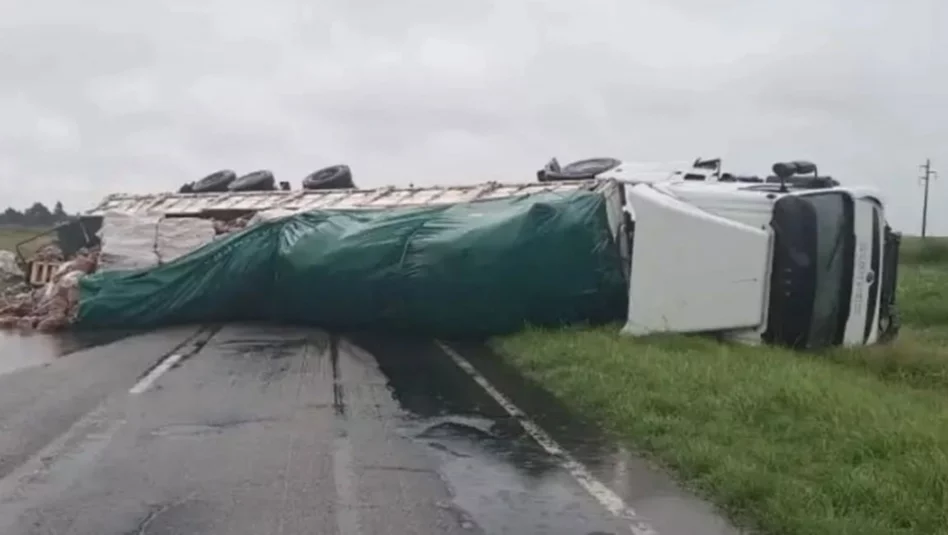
41, 273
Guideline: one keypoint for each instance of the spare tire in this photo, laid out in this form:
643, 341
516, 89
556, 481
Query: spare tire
214, 183
591, 167
334, 177
579, 170
261, 180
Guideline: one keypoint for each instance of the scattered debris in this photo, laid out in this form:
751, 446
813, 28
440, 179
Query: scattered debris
9, 270
52, 307
128, 242
14, 289
49, 253
226, 227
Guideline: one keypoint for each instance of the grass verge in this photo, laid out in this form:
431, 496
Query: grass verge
846, 442
11, 236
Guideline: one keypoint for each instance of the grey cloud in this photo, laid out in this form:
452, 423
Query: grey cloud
37, 56
110, 95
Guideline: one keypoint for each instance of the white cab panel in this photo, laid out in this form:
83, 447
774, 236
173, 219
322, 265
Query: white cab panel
693, 271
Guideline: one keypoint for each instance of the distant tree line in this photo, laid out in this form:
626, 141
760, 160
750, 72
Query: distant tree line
37, 215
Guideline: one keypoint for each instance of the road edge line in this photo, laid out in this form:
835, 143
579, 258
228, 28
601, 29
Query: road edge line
611, 501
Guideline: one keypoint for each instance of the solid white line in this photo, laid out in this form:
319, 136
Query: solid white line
598, 490
155, 373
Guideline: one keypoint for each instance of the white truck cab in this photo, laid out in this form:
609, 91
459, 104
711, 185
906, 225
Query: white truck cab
790, 260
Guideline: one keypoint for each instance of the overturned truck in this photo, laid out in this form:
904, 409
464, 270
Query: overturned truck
475, 260
798, 262
793, 259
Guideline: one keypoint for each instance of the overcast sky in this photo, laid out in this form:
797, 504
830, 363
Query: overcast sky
100, 96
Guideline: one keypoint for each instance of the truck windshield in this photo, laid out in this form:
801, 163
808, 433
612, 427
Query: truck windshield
833, 237
812, 268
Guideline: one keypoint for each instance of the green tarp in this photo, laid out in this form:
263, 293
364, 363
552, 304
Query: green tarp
481, 268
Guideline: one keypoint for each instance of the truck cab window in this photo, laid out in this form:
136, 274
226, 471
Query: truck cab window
833, 238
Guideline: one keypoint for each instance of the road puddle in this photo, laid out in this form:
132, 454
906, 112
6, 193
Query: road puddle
645, 488
500, 479
25, 349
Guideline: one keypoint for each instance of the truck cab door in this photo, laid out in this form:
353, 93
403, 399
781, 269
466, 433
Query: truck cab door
693, 271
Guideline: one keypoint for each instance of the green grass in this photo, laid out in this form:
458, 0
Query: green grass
11, 236
844, 442
928, 251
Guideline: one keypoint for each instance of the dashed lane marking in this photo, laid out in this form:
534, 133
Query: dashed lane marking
156, 372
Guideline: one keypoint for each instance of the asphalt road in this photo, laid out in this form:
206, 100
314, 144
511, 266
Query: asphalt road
266, 430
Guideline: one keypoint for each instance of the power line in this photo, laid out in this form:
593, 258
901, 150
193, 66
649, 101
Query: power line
927, 175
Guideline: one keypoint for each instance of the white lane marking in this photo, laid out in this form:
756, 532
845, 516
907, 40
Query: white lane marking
156, 372
598, 490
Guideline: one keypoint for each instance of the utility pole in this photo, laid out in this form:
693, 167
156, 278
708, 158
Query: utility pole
927, 175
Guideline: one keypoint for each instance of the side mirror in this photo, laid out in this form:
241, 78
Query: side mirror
788, 169
785, 170
713, 164
804, 167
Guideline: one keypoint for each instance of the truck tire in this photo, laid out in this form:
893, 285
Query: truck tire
334, 177
591, 167
215, 182
579, 170
261, 180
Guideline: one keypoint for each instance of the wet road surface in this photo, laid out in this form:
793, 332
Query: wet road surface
268, 430
20, 349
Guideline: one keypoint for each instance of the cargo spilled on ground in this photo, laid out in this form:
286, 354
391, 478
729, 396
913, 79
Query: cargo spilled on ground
387, 259
41, 269
841, 441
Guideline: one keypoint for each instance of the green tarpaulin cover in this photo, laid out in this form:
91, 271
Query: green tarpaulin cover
482, 268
